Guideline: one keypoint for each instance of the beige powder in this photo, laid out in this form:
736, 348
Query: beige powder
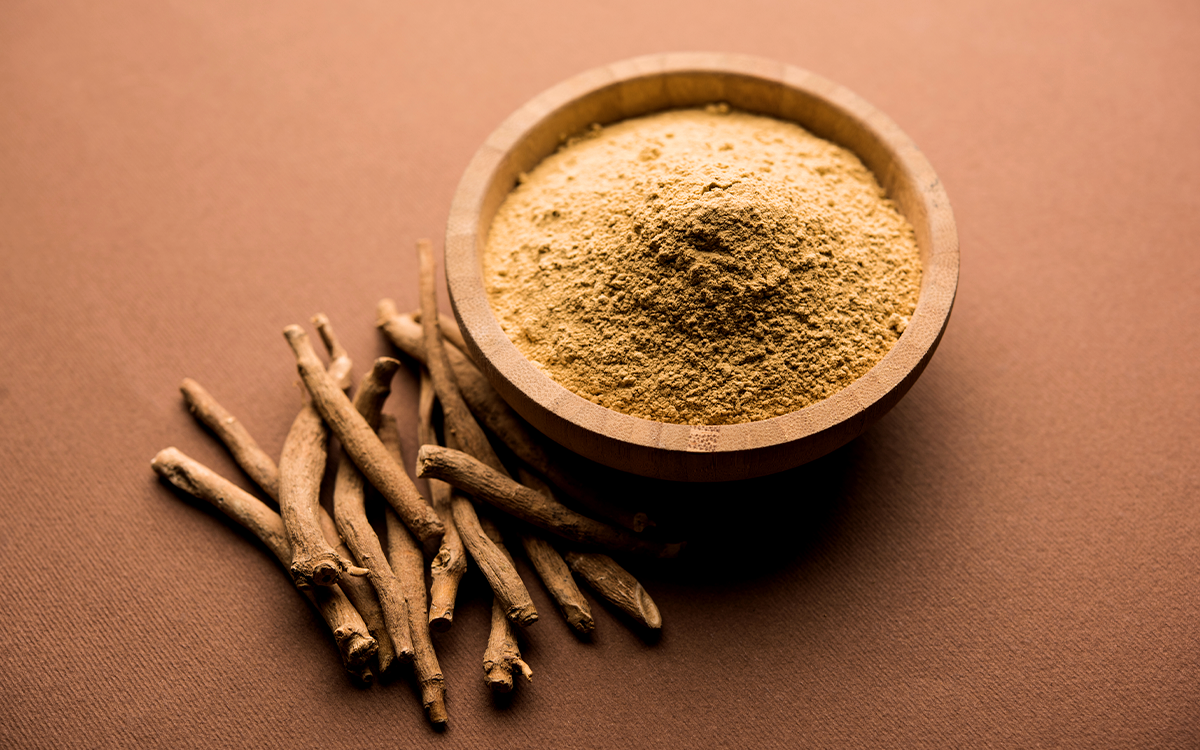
702, 267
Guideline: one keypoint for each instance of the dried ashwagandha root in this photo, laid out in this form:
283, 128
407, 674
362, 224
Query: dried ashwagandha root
553, 571
498, 417
305, 539
315, 562
361, 593
615, 584
450, 563
301, 468
458, 423
556, 576
502, 654
463, 427
462, 430
261, 468
361, 442
349, 631
350, 513
473, 477
236, 438
499, 571
409, 564
340, 363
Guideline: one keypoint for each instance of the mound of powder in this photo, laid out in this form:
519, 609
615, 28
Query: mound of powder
702, 267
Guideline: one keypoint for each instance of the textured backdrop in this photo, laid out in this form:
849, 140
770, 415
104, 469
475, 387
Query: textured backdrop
1008, 559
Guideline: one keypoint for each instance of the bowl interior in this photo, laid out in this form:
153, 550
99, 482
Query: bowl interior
642, 86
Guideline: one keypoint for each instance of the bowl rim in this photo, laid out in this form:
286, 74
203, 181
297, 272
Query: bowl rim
653, 83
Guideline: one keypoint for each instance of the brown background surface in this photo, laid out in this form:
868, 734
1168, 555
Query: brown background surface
1008, 559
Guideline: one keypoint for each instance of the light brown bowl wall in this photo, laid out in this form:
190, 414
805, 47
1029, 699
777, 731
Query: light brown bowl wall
648, 84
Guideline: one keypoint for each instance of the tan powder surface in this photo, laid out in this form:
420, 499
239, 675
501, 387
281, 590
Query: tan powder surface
702, 267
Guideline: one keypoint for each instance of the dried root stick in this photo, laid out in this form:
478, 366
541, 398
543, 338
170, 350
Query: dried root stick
361, 442
409, 564
262, 469
555, 574
349, 631
510, 592
301, 468
462, 429
350, 513
502, 653
459, 424
483, 482
451, 332
358, 589
615, 584
499, 571
497, 416
451, 561
447, 325
246, 451
339, 365
361, 593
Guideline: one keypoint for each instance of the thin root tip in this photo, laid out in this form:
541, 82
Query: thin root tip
357, 649
431, 530
526, 671
582, 623
435, 704
649, 611
424, 454
386, 366
524, 616
163, 458
385, 310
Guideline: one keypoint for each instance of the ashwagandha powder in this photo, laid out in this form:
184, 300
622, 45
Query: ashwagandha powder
702, 267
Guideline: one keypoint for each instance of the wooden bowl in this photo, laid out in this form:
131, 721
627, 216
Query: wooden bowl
649, 84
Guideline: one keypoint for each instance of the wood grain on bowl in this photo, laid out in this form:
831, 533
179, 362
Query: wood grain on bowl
649, 84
